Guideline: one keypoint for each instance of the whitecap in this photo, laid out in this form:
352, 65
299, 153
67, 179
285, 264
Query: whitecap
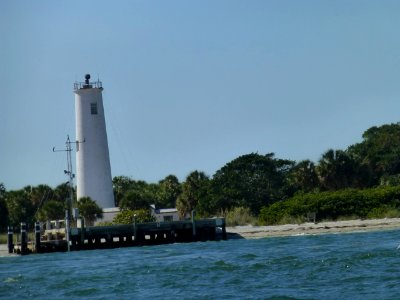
11, 279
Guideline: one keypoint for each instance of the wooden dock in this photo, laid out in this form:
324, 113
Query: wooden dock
136, 234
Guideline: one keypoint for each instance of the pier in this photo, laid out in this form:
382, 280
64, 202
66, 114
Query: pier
116, 236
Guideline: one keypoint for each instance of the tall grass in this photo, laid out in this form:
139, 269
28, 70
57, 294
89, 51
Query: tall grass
384, 211
286, 219
240, 216
3, 238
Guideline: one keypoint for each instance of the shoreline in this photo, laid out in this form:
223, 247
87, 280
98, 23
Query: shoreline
4, 251
254, 232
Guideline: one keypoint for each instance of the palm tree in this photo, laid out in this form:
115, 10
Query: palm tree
193, 190
336, 170
304, 176
89, 209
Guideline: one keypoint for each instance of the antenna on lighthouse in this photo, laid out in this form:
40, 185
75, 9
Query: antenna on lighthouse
71, 177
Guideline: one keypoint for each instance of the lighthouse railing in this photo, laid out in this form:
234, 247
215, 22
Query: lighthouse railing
90, 85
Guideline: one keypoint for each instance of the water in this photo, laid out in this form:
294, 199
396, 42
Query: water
331, 266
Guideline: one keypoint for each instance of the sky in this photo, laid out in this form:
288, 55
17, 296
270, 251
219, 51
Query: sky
192, 85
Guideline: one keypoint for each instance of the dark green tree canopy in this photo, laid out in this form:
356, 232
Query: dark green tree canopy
40, 194
135, 194
168, 192
19, 206
89, 209
304, 176
194, 190
337, 170
251, 180
51, 210
126, 216
379, 151
121, 184
136, 199
3, 208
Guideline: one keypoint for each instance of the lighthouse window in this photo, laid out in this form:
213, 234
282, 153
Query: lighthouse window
93, 108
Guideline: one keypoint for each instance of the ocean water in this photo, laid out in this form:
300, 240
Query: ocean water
330, 266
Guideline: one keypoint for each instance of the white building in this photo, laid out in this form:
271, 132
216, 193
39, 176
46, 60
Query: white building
164, 214
93, 168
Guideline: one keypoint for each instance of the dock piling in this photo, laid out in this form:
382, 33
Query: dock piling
10, 243
24, 239
67, 229
135, 234
193, 223
37, 237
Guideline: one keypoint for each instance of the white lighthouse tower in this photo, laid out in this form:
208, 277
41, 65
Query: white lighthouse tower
92, 158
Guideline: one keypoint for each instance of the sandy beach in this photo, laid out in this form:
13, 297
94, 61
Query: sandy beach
249, 232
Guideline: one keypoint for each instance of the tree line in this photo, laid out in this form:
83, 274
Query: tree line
253, 182
41, 203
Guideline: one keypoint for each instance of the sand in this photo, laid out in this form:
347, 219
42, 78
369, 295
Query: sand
249, 232
4, 250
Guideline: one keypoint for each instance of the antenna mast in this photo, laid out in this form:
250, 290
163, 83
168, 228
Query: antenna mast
71, 176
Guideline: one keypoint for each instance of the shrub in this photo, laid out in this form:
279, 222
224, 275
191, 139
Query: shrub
104, 223
384, 211
291, 220
240, 216
378, 202
126, 216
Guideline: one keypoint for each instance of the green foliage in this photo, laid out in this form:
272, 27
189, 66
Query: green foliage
304, 177
333, 205
379, 152
136, 199
89, 209
133, 195
390, 180
3, 238
126, 216
194, 190
51, 210
291, 220
39, 194
384, 211
3, 209
19, 207
121, 185
169, 191
104, 223
337, 170
29, 204
61, 193
252, 181
239, 216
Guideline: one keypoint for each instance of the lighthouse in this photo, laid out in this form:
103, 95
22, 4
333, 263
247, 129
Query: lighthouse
93, 169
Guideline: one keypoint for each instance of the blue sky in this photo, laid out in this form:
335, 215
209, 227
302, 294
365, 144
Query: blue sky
191, 85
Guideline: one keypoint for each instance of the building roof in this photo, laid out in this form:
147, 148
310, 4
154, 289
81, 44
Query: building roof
163, 210
166, 210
